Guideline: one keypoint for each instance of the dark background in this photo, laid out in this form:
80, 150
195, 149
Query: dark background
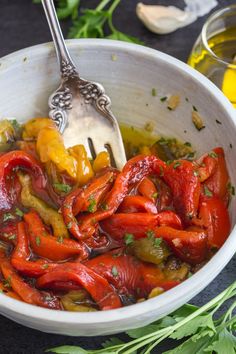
23, 24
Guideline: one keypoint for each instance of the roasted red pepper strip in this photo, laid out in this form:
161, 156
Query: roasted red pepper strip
129, 275
217, 183
148, 189
215, 217
80, 199
6, 291
137, 203
138, 223
9, 163
93, 191
189, 245
48, 246
207, 166
185, 185
21, 255
98, 287
25, 291
134, 171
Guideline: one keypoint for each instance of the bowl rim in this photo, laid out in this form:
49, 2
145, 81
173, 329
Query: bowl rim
198, 280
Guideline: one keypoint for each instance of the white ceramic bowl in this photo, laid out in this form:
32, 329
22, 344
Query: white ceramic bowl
128, 72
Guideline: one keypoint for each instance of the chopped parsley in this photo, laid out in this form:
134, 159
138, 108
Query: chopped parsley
45, 266
213, 154
155, 195
150, 234
92, 204
7, 282
60, 239
61, 187
19, 213
207, 191
176, 164
218, 121
129, 238
154, 92
8, 216
195, 109
104, 206
114, 271
163, 99
157, 242
37, 240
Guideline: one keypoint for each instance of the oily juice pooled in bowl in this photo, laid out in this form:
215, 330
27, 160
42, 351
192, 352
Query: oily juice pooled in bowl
79, 235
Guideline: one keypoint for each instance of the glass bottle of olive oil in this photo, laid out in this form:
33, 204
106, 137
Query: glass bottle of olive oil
214, 53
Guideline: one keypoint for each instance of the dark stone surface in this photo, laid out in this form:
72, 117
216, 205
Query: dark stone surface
23, 24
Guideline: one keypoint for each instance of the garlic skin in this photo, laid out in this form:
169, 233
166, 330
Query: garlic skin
163, 19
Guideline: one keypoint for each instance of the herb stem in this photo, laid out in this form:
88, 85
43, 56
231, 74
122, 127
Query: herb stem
218, 300
102, 5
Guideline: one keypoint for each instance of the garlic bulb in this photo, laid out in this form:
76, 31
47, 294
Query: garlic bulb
163, 19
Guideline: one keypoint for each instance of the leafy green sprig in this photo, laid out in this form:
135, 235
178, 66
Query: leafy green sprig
205, 333
91, 23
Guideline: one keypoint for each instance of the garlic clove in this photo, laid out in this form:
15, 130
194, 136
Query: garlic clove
163, 19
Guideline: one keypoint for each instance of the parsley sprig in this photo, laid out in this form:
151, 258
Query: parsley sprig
91, 23
205, 332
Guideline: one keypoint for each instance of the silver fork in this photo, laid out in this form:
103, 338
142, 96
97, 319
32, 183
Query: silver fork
80, 108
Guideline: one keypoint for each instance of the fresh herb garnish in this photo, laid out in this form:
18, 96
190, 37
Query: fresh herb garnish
7, 282
8, 216
155, 195
129, 238
154, 92
114, 271
163, 99
19, 213
61, 187
37, 240
150, 234
198, 329
92, 23
213, 154
60, 239
92, 204
176, 164
207, 191
157, 241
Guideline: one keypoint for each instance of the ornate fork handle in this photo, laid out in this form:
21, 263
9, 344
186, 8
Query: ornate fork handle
61, 100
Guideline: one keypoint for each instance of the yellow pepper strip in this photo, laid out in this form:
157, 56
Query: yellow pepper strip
84, 168
102, 160
49, 215
75, 300
50, 147
145, 150
32, 128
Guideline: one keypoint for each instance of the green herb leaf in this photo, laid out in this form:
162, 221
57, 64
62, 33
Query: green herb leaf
154, 92
61, 187
67, 8
114, 271
176, 164
111, 342
157, 242
19, 213
207, 191
37, 240
129, 238
7, 217
68, 349
213, 154
120, 36
163, 99
92, 205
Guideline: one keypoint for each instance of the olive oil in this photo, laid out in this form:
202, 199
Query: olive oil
220, 65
